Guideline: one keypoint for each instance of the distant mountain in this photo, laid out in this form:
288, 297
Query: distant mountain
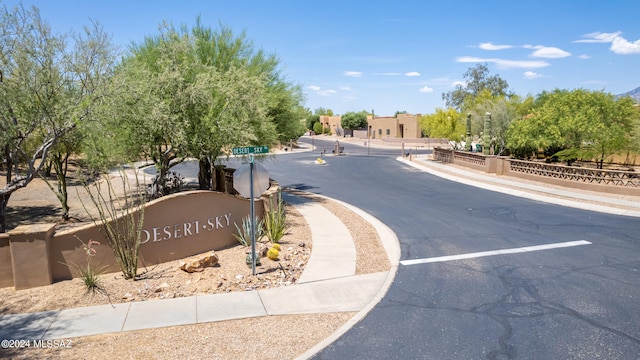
635, 93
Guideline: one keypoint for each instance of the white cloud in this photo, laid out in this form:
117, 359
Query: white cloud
412, 73
622, 46
426, 89
326, 92
598, 37
352, 73
619, 45
314, 87
584, 57
489, 46
345, 88
503, 63
461, 83
549, 52
531, 75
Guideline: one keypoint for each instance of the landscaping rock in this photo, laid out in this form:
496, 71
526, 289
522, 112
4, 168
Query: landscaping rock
197, 263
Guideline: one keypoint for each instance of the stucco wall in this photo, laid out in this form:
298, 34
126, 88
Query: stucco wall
175, 227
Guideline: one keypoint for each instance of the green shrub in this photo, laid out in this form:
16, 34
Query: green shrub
317, 128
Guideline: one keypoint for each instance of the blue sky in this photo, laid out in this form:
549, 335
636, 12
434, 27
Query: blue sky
390, 56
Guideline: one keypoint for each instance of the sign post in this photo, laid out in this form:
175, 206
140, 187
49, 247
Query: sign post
250, 151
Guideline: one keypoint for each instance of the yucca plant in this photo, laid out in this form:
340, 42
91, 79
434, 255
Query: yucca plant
275, 219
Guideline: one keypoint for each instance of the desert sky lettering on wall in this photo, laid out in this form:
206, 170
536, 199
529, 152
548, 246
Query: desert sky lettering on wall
185, 229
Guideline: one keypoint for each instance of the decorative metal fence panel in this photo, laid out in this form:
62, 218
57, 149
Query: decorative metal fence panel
579, 174
628, 179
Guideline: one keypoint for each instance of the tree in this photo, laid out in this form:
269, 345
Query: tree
477, 79
89, 69
577, 124
198, 93
323, 112
448, 124
47, 88
503, 111
154, 91
354, 120
285, 110
312, 119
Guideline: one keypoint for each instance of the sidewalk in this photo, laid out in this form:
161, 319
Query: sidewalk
328, 284
606, 203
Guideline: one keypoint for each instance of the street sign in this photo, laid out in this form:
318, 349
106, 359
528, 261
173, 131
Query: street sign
242, 180
246, 150
251, 180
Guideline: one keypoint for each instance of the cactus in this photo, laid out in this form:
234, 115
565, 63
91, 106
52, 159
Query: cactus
276, 246
273, 253
249, 261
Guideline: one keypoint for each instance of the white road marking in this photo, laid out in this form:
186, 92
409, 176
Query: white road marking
494, 252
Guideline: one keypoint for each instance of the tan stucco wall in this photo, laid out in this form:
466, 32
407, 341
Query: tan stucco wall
175, 227
389, 126
331, 122
6, 268
29, 245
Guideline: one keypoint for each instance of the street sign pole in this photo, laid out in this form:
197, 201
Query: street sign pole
250, 151
253, 218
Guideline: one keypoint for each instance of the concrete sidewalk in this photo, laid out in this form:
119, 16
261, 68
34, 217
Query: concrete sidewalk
328, 284
565, 196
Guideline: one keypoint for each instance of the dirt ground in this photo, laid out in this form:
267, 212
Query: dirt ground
271, 337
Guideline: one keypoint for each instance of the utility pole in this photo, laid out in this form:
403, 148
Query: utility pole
373, 116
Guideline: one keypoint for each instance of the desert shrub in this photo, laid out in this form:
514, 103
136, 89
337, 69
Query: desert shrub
118, 222
275, 219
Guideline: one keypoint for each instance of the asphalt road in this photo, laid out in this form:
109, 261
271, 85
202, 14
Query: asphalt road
577, 302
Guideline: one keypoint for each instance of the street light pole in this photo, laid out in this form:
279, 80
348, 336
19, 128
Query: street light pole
373, 116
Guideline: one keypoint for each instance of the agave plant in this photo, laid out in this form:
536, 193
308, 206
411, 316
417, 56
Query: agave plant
244, 235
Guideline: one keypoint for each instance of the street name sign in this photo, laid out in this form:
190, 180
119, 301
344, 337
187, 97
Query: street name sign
246, 150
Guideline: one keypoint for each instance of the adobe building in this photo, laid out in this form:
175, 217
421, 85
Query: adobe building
333, 123
402, 126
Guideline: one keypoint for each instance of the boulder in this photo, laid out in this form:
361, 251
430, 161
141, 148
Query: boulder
197, 263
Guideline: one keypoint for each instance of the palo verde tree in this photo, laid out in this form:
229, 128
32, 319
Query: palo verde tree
197, 93
262, 110
448, 124
152, 90
576, 124
46, 89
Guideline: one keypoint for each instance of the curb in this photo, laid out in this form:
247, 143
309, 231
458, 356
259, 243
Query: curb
391, 245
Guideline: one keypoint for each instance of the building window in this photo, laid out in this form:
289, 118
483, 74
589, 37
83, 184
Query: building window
388, 132
379, 131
